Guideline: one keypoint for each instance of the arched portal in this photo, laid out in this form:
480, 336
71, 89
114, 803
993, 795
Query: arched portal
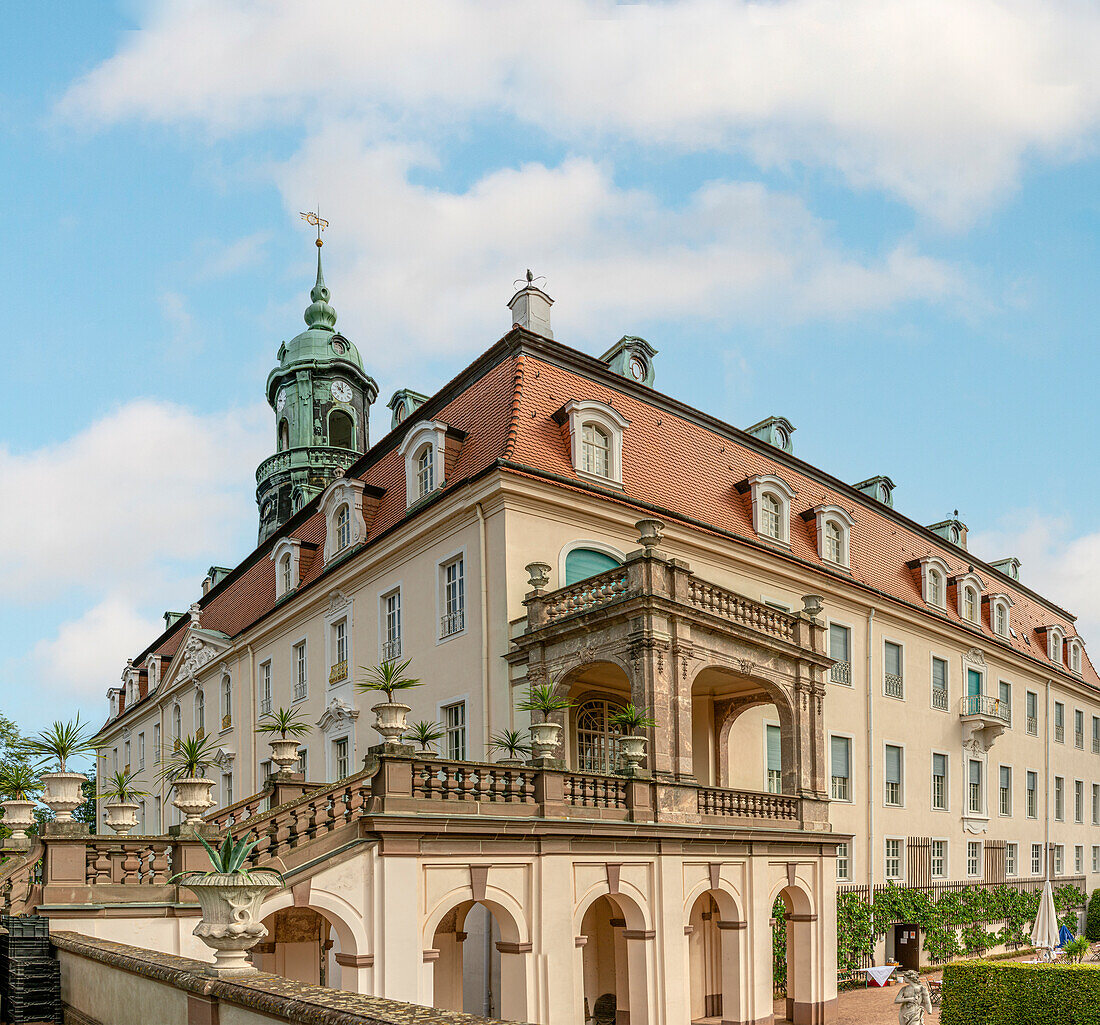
341, 430
597, 691
613, 962
714, 936
795, 958
480, 966
300, 945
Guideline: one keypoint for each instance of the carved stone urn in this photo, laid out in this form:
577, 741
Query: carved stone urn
632, 753
121, 817
231, 922
61, 792
193, 798
18, 817
544, 738
284, 753
650, 533
391, 720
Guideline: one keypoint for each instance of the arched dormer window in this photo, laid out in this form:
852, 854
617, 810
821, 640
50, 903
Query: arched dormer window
771, 507
341, 429
934, 574
343, 528
968, 596
834, 533
999, 615
424, 450
287, 558
200, 713
284, 436
970, 604
1055, 640
596, 432
342, 507
1076, 654
285, 572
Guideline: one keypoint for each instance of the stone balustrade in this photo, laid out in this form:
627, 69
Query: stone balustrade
719, 601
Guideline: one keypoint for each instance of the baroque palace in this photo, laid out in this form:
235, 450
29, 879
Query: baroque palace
841, 696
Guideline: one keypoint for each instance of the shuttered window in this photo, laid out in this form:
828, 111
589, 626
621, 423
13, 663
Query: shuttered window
582, 563
893, 774
840, 751
775, 760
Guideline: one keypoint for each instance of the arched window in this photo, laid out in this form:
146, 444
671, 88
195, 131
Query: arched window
1075, 656
597, 739
595, 450
770, 516
834, 541
425, 470
343, 528
177, 724
970, 605
582, 563
341, 430
935, 587
227, 702
1000, 620
284, 436
285, 570
200, 713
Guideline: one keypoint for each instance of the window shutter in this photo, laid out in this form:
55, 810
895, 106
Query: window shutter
582, 563
893, 659
840, 752
1006, 777
838, 643
975, 772
893, 764
775, 757
939, 765
939, 674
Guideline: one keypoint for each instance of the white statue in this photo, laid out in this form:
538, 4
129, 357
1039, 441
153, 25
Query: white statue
914, 998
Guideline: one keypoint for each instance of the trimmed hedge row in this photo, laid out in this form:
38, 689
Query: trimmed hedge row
1009, 993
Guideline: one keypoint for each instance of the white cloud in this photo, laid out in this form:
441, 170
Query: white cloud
1057, 563
429, 269
86, 655
938, 103
149, 485
223, 259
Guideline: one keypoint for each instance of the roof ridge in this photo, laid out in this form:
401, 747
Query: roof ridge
517, 398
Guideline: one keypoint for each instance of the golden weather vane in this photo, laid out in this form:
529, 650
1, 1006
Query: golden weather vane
317, 221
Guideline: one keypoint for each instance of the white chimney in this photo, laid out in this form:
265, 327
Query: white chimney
530, 308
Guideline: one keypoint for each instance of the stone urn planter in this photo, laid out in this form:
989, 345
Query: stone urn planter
284, 753
544, 738
61, 793
632, 753
121, 816
18, 817
231, 923
391, 721
193, 797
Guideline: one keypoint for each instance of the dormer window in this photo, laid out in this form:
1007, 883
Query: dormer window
1075, 655
1000, 621
595, 439
834, 531
934, 573
1055, 640
342, 506
424, 449
771, 507
287, 558
343, 528
935, 587
968, 596
970, 604
999, 614
285, 572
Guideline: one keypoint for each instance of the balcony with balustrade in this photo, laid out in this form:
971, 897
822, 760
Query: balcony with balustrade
984, 717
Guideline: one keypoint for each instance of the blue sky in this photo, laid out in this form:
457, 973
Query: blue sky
877, 220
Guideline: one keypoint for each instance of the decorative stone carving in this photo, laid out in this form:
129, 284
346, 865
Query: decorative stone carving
914, 998
538, 575
122, 817
193, 798
975, 655
338, 711
650, 533
61, 793
196, 654
336, 601
196, 613
18, 817
812, 604
231, 922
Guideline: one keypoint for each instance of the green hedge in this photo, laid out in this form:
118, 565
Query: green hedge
1008, 993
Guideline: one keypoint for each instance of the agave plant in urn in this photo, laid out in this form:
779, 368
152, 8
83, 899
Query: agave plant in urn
185, 769
18, 784
284, 726
230, 895
57, 745
121, 805
388, 678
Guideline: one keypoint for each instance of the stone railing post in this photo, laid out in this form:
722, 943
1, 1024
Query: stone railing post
64, 866
640, 800
550, 794
393, 780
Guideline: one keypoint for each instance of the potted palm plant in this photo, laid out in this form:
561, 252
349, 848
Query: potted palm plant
185, 768
425, 734
230, 895
543, 700
631, 721
121, 806
388, 677
512, 744
283, 727
18, 781
56, 745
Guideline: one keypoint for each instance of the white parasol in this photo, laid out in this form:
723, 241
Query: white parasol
1044, 932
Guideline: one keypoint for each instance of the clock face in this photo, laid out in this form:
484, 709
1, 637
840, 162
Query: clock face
341, 391
280, 401
637, 368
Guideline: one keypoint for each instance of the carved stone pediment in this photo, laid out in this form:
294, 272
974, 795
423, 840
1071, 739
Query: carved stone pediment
199, 649
975, 655
224, 759
337, 712
336, 601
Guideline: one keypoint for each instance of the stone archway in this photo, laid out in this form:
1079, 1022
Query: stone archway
613, 960
715, 933
803, 955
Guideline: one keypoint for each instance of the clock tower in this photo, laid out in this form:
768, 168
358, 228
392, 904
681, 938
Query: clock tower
321, 397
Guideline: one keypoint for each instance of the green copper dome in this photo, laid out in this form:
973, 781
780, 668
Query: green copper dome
319, 341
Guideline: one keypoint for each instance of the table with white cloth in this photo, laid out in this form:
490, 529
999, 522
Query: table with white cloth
879, 973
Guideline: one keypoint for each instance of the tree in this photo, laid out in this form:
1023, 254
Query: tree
13, 753
1092, 919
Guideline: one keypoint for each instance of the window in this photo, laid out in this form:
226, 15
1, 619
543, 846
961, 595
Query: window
286, 573
265, 687
970, 604
200, 714
425, 471
284, 436
1079, 859
340, 757
303, 761
1078, 801
893, 683
595, 450
454, 725
454, 598
1096, 735
771, 511
1059, 859
177, 726
286, 555
893, 859
126, 756
1095, 858
597, 741
841, 767
834, 532
339, 669
1011, 852
935, 588
843, 865
939, 683
343, 528
1078, 729
141, 751
1000, 618
1004, 802
973, 857
772, 739
974, 687
227, 788
227, 702
1031, 798
834, 542
974, 787
771, 508
892, 796
301, 672
1059, 722
939, 782
141, 817
1032, 710
1004, 695
1075, 656
267, 769
156, 743
1096, 804
939, 859
114, 759
1036, 859
1054, 643
582, 563
1059, 798
391, 625
341, 430
840, 649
